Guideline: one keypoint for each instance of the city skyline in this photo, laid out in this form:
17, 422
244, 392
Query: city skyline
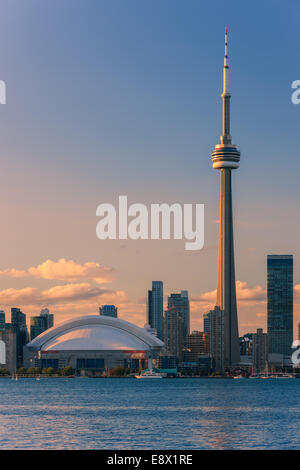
127, 112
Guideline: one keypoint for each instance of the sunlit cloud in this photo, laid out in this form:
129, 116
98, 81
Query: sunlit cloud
65, 270
243, 292
58, 294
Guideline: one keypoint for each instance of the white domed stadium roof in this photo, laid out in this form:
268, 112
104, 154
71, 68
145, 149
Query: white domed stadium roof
96, 333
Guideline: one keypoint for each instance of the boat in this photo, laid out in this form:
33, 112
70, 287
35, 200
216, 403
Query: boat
277, 375
239, 377
285, 376
149, 373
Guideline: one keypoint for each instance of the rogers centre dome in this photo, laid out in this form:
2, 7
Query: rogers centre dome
94, 342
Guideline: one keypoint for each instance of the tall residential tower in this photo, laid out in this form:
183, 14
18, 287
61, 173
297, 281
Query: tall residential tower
226, 158
155, 308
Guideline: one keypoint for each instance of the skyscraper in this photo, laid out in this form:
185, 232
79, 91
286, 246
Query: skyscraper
9, 336
259, 351
18, 321
109, 311
280, 303
173, 335
195, 345
206, 322
226, 158
2, 320
155, 308
177, 323
181, 305
217, 337
41, 323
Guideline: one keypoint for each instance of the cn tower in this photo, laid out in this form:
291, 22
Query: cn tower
226, 158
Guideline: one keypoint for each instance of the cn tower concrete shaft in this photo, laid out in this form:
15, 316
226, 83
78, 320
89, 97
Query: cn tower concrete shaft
226, 291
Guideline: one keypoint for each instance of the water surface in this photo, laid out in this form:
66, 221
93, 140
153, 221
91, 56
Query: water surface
149, 414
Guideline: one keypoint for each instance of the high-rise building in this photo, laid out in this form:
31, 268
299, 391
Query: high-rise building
217, 337
180, 303
177, 323
155, 308
280, 304
2, 320
41, 323
173, 334
206, 323
195, 345
260, 351
9, 336
246, 342
48, 317
226, 158
167, 361
109, 311
18, 322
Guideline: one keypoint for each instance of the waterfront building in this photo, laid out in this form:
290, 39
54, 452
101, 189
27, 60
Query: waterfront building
206, 323
280, 304
48, 317
9, 336
173, 334
109, 311
226, 158
155, 308
167, 361
18, 321
216, 338
195, 345
246, 343
2, 320
41, 323
91, 343
260, 351
180, 304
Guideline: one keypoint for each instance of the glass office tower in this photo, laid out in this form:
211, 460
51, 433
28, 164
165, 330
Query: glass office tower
280, 303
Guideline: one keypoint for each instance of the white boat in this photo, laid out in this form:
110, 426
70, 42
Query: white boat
285, 376
150, 373
239, 377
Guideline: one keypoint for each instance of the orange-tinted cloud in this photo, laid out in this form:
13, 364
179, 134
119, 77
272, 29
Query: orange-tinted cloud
65, 270
243, 292
58, 295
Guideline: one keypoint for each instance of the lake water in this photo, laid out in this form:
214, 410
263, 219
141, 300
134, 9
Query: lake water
178, 414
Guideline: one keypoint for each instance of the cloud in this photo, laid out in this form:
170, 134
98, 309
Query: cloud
65, 270
80, 294
250, 294
243, 292
261, 315
59, 295
13, 273
297, 291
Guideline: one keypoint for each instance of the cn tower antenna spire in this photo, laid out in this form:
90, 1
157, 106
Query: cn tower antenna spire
226, 68
226, 137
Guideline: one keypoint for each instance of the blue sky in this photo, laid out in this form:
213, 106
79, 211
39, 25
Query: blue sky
123, 97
